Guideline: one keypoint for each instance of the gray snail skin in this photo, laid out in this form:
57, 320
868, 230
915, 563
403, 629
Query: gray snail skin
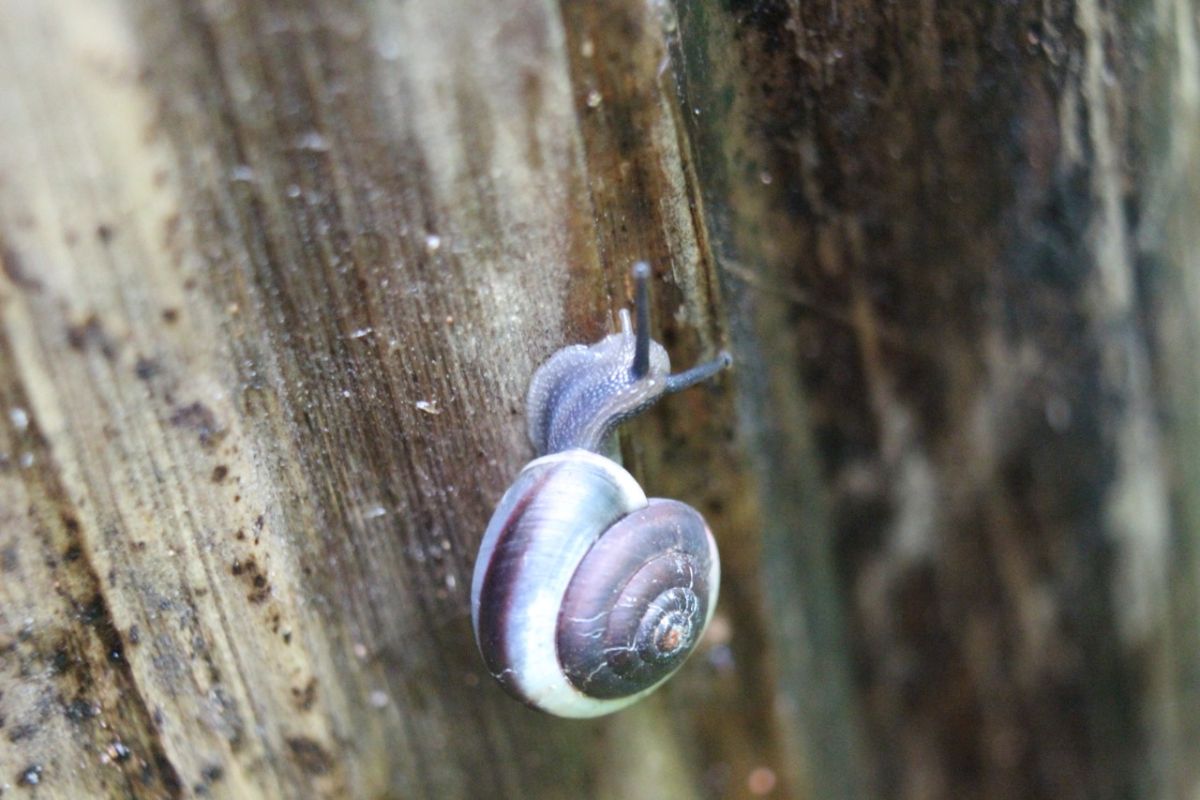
587, 595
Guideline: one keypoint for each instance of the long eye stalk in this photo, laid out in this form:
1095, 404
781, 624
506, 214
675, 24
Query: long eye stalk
641, 353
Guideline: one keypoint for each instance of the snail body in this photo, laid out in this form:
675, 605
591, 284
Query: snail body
587, 594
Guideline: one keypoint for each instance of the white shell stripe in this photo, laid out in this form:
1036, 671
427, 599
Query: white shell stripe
570, 510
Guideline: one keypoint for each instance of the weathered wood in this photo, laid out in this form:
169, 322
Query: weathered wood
278, 275
937, 222
275, 275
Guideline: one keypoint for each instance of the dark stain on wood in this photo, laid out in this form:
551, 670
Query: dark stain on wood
305, 697
201, 420
311, 757
95, 614
22, 731
86, 657
90, 334
9, 561
146, 368
254, 577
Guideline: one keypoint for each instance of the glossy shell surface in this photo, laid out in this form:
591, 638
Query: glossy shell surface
586, 595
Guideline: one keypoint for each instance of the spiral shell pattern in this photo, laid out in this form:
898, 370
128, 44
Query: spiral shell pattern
587, 595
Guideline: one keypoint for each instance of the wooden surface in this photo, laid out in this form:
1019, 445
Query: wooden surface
276, 274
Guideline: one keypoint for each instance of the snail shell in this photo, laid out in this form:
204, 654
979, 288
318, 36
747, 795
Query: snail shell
639, 588
586, 594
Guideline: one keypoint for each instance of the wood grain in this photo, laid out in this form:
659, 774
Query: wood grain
274, 278
278, 274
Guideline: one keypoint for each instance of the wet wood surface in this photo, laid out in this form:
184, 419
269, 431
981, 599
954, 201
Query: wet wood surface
275, 276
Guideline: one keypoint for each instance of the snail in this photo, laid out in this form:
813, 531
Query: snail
587, 595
